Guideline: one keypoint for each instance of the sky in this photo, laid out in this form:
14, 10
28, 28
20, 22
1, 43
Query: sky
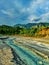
23, 11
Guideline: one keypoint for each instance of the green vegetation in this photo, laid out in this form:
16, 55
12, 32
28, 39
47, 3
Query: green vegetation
36, 30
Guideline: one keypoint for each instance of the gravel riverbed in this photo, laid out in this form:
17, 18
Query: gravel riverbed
6, 56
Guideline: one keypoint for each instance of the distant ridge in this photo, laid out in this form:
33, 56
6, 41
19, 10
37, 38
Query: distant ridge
31, 24
28, 25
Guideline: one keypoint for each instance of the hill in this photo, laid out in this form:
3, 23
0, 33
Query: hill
31, 24
30, 29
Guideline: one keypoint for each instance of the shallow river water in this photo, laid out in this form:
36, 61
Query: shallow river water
27, 58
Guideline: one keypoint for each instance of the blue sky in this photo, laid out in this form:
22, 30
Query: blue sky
23, 11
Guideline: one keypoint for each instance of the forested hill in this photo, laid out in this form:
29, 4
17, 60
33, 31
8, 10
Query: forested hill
31, 24
30, 29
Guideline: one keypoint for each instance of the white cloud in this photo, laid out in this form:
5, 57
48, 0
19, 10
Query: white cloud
32, 9
9, 12
45, 16
31, 18
37, 3
23, 10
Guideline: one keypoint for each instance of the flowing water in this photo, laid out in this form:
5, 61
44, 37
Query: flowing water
27, 58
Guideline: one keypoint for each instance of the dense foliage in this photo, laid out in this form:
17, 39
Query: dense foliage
37, 30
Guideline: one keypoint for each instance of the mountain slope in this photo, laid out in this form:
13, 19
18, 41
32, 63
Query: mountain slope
31, 24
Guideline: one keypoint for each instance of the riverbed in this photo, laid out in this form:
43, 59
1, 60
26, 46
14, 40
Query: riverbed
28, 52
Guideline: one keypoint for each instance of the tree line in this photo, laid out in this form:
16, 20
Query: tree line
32, 31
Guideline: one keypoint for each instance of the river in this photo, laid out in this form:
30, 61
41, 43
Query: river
25, 56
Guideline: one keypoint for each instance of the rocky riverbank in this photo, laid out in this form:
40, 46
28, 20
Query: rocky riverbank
6, 56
